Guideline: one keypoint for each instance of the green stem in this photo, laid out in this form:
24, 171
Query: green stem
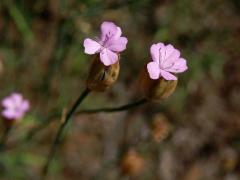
58, 137
115, 109
4, 137
46, 122
20, 21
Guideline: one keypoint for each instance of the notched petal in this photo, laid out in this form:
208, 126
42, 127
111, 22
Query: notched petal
118, 45
153, 70
108, 57
155, 50
168, 76
91, 46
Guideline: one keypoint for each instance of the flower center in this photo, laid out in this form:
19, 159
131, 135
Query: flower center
17, 109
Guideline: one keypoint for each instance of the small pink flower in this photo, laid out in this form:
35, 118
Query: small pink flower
15, 106
109, 44
166, 60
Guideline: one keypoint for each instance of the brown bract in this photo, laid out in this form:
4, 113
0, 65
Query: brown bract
101, 77
155, 90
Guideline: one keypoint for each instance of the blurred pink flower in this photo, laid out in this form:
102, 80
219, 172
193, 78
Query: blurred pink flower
15, 106
166, 60
108, 45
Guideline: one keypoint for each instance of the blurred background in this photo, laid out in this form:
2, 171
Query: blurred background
193, 135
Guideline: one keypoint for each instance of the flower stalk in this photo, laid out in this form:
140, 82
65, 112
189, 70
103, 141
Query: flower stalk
114, 109
61, 129
54, 117
4, 137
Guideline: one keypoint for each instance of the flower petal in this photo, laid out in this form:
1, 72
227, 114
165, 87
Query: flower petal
178, 66
153, 70
118, 45
108, 57
169, 49
91, 46
108, 30
168, 76
7, 102
17, 99
171, 58
19, 114
156, 51
8, 113
25, 105
118, 33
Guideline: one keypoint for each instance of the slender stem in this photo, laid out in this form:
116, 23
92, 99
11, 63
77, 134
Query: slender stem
91, 111
114, 109
58, 137
54, 116
4, 137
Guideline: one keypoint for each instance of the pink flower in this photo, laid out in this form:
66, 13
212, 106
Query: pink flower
109, 44
166, 60
15, 106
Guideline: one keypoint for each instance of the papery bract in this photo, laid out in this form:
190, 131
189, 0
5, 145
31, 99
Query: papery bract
108, 45
165, 61
15, 106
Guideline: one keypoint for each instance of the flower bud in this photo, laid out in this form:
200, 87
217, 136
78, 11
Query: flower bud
101, 77
160, 127
132, 163
158, 89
